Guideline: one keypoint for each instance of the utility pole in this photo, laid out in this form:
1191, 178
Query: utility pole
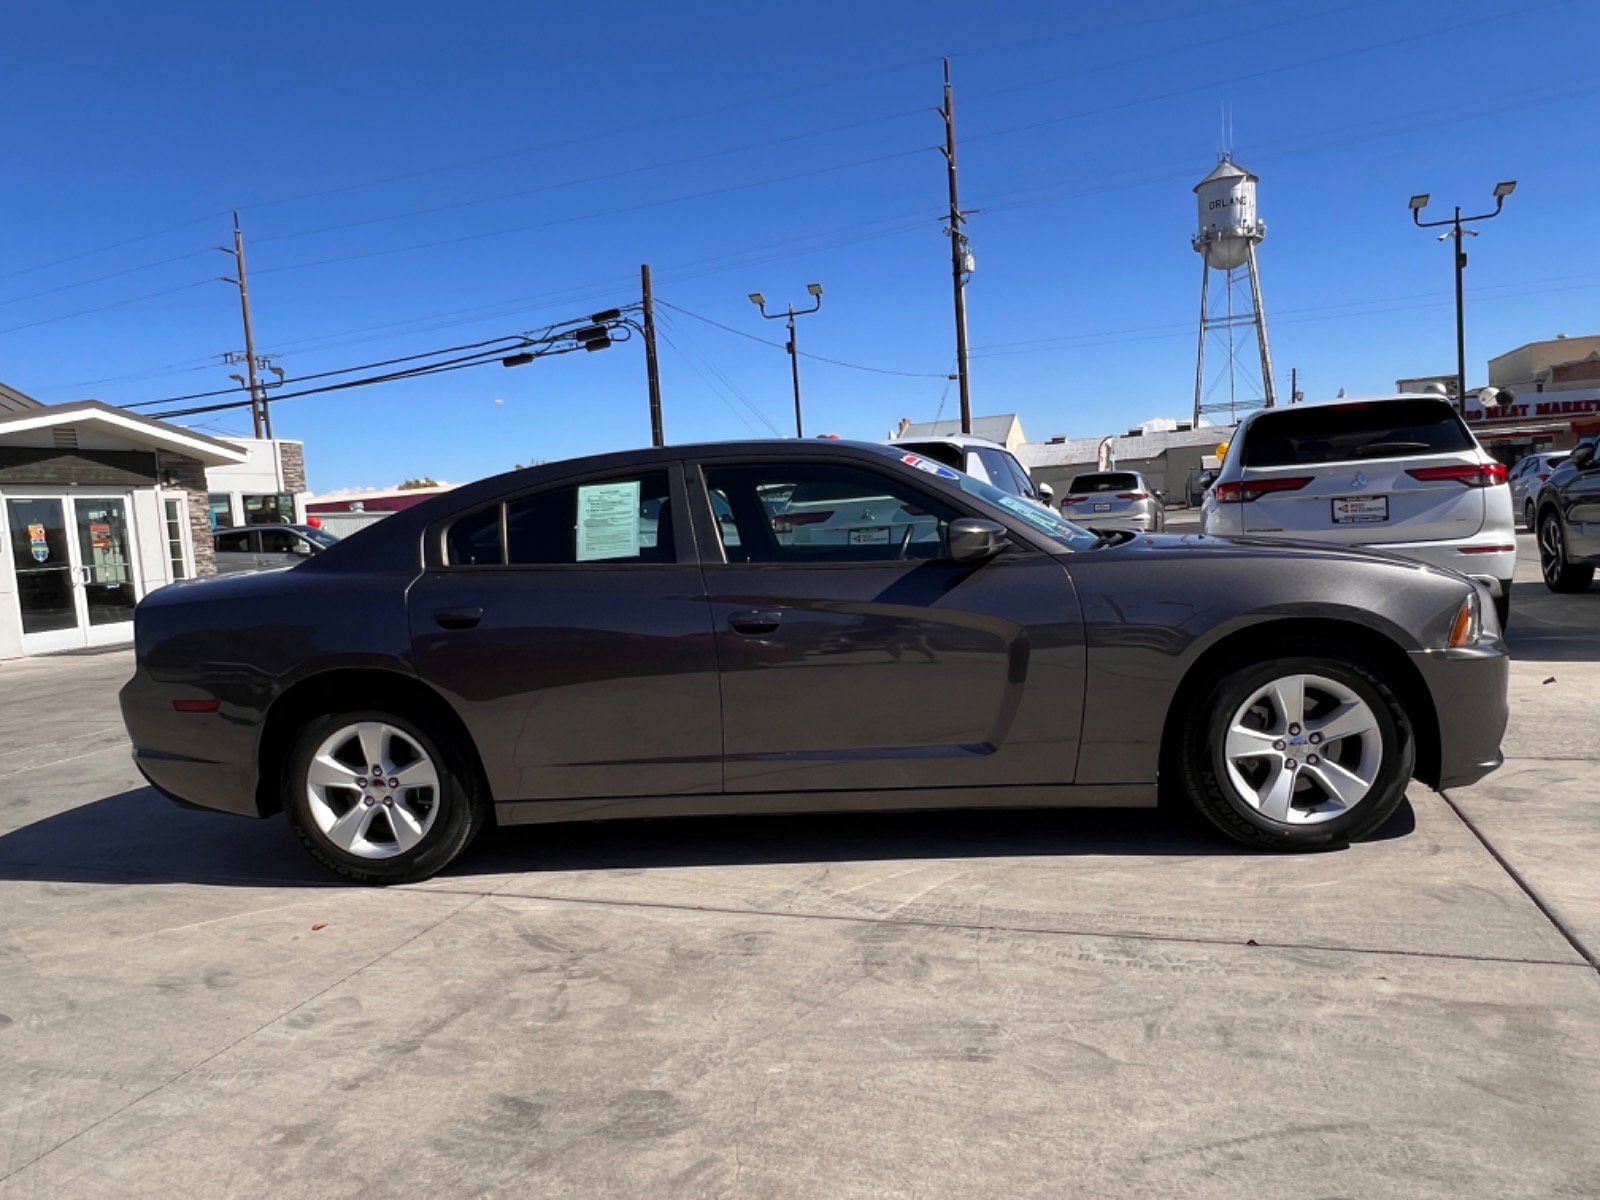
960, 255
260, 421
1294, 385
651, 367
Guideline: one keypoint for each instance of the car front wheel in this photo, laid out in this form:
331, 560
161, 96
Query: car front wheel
379, 800
1298, 752
1560, 575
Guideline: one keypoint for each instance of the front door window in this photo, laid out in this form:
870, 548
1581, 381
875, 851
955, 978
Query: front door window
43, 562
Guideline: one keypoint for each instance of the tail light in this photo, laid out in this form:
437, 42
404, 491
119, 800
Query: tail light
787, 522
1465, 628
1254, 489
1133, 495
1479, 475
1073, 499
1543, 475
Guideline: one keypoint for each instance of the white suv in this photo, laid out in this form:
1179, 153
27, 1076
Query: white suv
1397, 473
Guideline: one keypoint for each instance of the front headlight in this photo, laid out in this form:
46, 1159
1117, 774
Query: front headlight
1464, 630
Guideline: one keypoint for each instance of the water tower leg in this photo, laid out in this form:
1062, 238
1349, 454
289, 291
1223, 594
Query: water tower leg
1200, 352
1261, 329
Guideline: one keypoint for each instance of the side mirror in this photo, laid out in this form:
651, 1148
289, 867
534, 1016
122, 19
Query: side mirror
974, 539
303, 549
1046, 492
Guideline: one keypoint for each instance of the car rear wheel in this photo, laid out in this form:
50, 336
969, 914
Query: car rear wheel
379, 800
1560, 575
1297, 752
1527, 515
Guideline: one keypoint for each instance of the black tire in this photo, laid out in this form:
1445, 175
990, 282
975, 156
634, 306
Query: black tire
1201, 762
1560, 573
462, 812
1528, 519
1502, 604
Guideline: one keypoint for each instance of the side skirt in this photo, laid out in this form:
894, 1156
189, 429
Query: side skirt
532, 812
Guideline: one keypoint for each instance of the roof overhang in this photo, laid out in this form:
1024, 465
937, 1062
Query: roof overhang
141, 431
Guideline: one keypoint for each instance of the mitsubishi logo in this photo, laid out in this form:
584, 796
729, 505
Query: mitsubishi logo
1359, 481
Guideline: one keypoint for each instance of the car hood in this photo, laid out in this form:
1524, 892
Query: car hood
1182, 545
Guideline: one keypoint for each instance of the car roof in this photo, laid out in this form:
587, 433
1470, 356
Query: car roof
1345, 401
946, 439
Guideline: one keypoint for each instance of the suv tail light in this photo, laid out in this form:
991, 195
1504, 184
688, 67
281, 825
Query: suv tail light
1133, 495
1472, 474
1254, 489
786, 522
1073, 499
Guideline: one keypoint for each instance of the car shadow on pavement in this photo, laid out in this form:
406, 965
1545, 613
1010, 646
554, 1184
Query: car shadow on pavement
139, 837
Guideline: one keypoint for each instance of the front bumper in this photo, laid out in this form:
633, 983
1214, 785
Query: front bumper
1468, 687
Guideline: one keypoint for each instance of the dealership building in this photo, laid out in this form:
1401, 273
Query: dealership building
100, 506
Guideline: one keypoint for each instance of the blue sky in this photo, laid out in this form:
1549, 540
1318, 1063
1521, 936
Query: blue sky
412, 176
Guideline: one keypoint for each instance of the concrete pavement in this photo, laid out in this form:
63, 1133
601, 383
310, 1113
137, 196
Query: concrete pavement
950, 1005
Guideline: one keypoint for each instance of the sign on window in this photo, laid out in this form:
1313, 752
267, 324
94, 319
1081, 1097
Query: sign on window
608, 521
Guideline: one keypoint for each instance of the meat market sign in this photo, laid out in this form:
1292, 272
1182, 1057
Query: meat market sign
1522, 410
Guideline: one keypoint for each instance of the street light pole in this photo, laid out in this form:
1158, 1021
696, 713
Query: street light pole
1455, 234
788, 316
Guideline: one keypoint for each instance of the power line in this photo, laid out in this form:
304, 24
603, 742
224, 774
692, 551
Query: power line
84, 312
590, 216
695, 352
1268, 71
803, 354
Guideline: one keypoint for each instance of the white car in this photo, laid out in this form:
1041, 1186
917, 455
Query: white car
982, 459
1402, 474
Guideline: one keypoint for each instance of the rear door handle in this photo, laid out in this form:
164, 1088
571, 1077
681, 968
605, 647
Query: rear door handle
756, 621
457, 618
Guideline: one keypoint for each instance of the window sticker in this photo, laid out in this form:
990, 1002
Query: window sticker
931, 467
608, 521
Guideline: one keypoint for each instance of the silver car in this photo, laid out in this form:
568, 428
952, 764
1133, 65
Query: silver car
1528, 476
1114, 500
267, 547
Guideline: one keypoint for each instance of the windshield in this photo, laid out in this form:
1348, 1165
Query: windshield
1343, 432
320, 536
1110, 481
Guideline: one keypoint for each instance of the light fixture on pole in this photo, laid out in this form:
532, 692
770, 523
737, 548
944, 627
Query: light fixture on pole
789, 314
1455, 233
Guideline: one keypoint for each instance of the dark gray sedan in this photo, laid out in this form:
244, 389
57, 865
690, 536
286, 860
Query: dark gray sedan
801, 626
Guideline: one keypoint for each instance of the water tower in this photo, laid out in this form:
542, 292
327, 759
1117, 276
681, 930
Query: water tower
1229, 231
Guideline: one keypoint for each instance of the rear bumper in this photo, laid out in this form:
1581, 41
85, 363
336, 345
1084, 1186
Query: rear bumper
199, 760
1469, 692
1478, 556
1143, 522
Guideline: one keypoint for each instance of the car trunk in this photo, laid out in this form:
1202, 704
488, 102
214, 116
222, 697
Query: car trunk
1368, 472
1369, 502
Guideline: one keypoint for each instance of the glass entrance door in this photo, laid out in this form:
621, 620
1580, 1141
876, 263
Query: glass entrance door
73, 559
41, 555
105, 567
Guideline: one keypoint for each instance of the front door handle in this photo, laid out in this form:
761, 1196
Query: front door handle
756, 621
457, 618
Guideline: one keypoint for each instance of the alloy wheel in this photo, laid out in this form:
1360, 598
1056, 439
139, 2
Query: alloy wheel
1303, 749
1552, 550
372, 790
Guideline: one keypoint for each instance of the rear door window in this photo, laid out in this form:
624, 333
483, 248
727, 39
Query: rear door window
612, 521
234, 543
1346, 432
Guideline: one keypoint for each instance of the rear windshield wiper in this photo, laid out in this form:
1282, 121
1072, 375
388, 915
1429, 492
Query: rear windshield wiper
1374, 449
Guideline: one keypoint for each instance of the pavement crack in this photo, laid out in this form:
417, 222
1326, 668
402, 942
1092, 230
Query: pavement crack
1029, 930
